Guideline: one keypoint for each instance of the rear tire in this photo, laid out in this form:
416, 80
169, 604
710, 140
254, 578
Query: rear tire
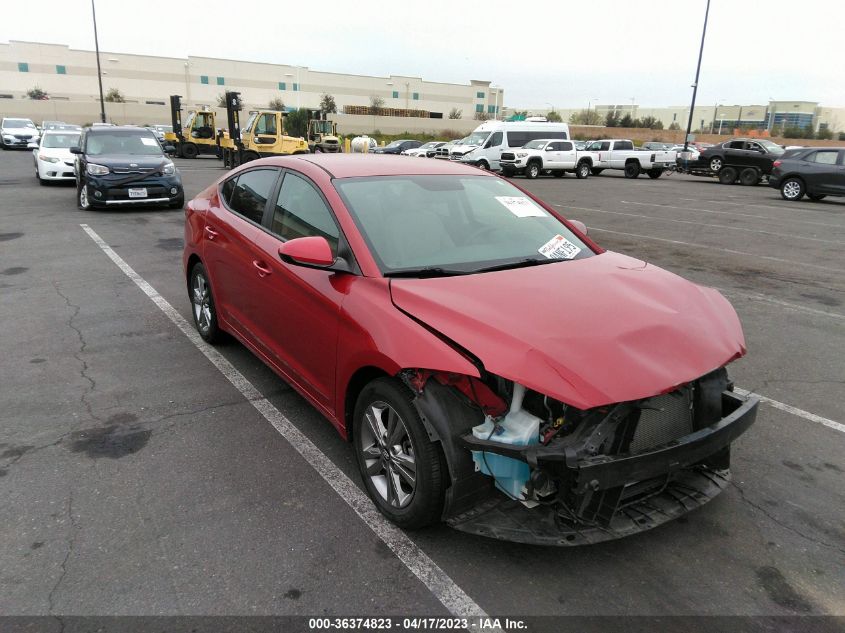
749, 177
249, 156
632, 169
403, 471
202, 305
532, 170
716, 163
583, 171
596, 171
727, 175
792, 189
815, 197
654, 174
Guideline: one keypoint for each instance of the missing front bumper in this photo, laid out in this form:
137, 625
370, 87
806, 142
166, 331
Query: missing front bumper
608, 496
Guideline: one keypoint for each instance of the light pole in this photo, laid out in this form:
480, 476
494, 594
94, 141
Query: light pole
552, 106
697, 73
99, 71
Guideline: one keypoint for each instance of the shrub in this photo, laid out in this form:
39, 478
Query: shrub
37, 94
554, 116
376, 104
481, 116
455, 113
296, 122
824, 134
114, 96
586, 117
275, 104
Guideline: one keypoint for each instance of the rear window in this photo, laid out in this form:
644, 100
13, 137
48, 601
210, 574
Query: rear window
623, 145
247, 193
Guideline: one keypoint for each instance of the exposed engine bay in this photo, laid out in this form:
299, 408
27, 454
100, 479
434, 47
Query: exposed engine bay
526, 467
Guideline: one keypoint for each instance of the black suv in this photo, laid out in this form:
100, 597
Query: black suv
815, 171
746, 159
120, 166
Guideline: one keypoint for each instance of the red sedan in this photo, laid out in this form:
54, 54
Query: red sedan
491, 365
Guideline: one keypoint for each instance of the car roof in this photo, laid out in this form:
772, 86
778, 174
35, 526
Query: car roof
363, 165
109, 129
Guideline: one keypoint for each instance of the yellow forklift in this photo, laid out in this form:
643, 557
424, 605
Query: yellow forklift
263, 135
197, 136
322, 133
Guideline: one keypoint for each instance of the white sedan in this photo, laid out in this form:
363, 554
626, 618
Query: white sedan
53, 160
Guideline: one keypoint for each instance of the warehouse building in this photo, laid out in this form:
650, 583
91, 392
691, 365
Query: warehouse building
70, 75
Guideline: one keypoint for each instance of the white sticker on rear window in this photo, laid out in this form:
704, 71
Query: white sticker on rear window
522, 207
149, 141
559, 248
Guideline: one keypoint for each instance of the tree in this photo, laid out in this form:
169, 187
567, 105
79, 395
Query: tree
221, 102
626, 121
376, 104
519, 115
37, 94
586, 117
824, 134
652, 123
276, 104
554, 116
612, 119
114, 96
842, 136
327, 103
481, 116
809, 132
455, 113
792, 131
296, 122
674, 126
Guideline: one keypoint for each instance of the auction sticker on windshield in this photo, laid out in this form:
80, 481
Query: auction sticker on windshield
559, 248
522, 207
149, 141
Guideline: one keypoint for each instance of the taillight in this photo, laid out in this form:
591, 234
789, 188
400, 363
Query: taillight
777, 163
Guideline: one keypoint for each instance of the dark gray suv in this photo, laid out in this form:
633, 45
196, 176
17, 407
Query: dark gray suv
812, 171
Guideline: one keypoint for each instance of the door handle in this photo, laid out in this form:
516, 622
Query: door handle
263, 269
210, 233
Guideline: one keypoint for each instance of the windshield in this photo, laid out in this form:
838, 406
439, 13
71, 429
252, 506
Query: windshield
395, 144
130, 142
476, 138
459, 223
534, 145
773, 148
18, 123
60, 140
427, 145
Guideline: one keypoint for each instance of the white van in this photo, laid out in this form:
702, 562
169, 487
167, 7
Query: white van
485, 145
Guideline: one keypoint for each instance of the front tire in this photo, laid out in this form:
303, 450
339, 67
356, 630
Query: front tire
189, 150
82, 200
632, 170
403, 470
597, 171
532, 170
202, 305
815, 197
792, 189
508, 172
583, 171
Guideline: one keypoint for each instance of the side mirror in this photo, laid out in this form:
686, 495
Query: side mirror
313, 252
549, 148
578, 224
75, 150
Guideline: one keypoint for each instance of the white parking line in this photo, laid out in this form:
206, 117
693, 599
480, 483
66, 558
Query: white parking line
418, 562
753, 296
735, 214
812, 417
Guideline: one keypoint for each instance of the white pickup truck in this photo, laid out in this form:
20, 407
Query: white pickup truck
538, 156
620, 154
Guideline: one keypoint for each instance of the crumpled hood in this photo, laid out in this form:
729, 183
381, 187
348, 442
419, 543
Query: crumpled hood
588, 332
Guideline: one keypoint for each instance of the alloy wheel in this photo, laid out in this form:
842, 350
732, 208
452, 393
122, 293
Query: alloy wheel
791, 189
83, 197
389, 454
200, 298
716, 164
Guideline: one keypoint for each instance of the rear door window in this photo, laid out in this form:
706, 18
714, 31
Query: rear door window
824, 157
248, 194
623, 145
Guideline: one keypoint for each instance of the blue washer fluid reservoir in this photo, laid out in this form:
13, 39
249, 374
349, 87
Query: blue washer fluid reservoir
518, 428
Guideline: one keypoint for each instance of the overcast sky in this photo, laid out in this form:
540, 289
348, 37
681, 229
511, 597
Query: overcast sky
556, 52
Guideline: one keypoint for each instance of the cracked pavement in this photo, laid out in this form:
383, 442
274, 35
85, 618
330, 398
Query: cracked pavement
135, 480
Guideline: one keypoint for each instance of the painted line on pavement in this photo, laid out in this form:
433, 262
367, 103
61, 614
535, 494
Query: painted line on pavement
812, 417
418, 562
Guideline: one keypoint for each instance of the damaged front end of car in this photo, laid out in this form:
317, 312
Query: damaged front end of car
528, 468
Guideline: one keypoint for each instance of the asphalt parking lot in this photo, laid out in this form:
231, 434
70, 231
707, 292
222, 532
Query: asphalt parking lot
135, 479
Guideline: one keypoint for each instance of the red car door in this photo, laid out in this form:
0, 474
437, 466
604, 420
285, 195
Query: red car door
300, 306
229, 250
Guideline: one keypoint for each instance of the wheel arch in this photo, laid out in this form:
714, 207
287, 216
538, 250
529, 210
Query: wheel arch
356, 383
